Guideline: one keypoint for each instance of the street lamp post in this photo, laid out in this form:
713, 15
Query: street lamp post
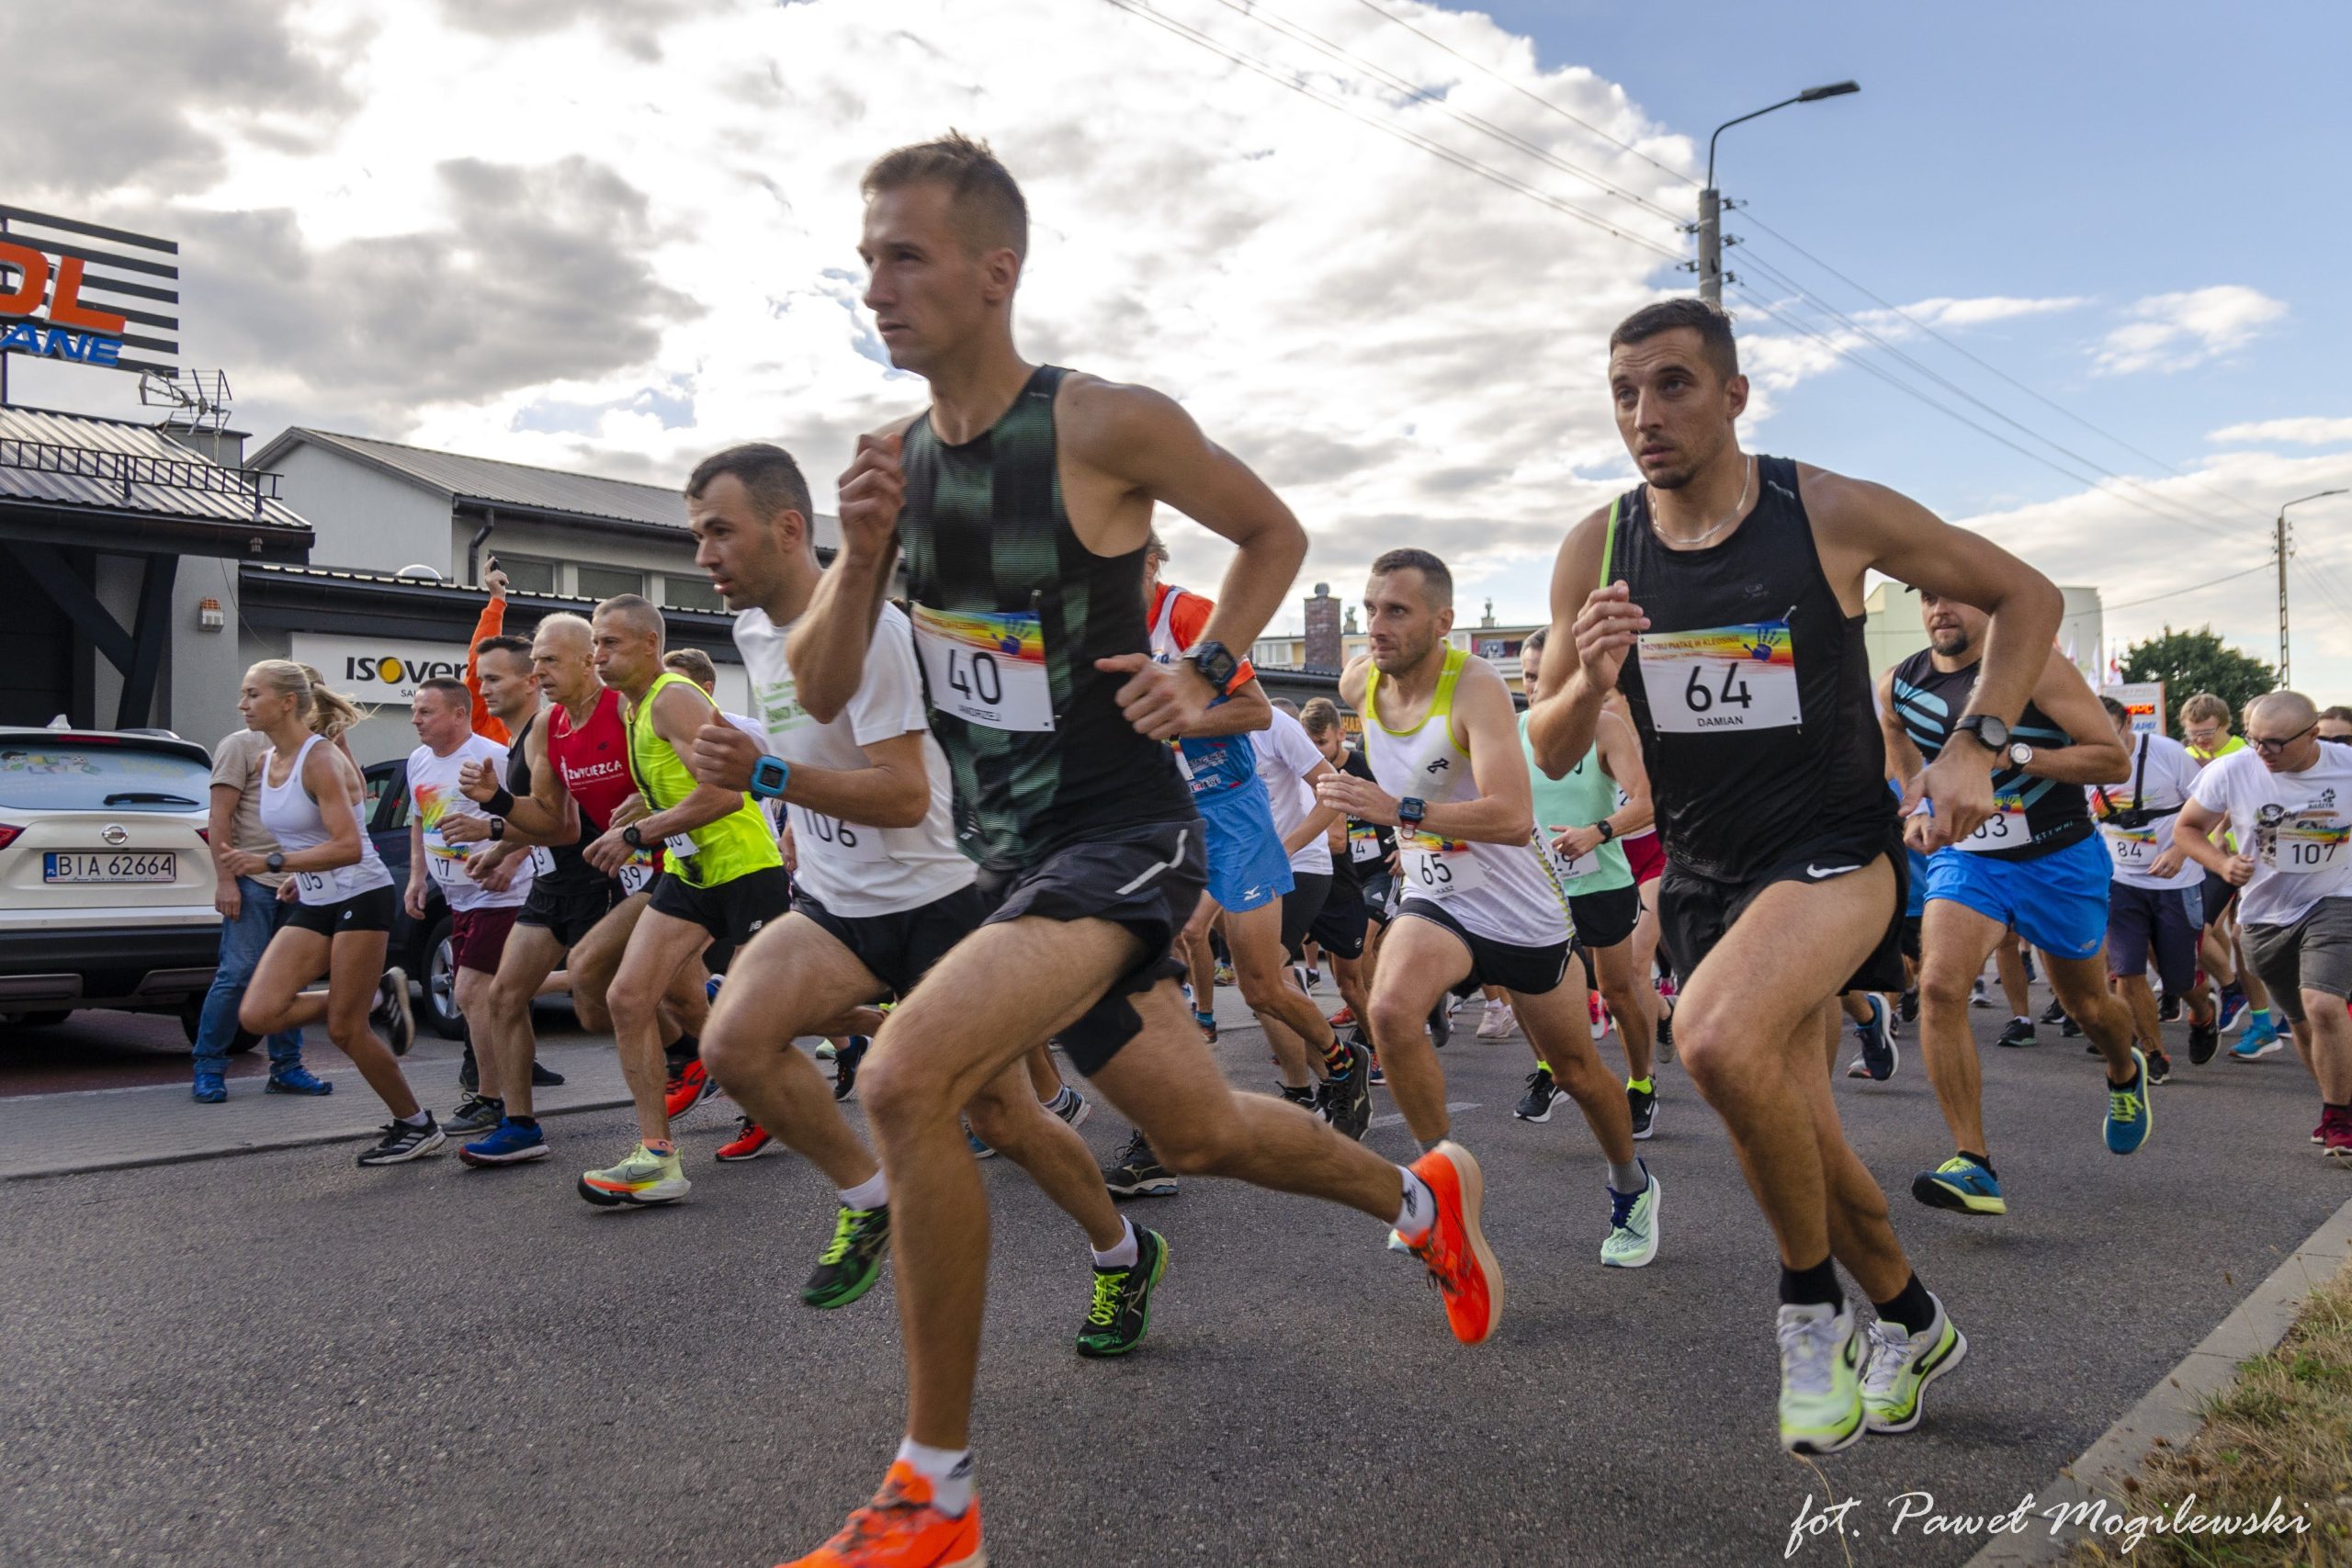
1711, 200
2279, 546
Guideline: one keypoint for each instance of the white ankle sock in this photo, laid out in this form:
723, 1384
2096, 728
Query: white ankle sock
1419, 1209
870, 1193
419, 1120
1124, 1254
949, 1471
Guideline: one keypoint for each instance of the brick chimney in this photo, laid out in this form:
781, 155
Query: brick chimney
1325, 651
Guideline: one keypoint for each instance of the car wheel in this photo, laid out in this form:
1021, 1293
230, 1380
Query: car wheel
42, 1020
440, 979
192, 1016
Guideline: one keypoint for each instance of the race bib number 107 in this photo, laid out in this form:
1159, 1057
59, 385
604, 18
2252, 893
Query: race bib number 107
1723, 678
986, 668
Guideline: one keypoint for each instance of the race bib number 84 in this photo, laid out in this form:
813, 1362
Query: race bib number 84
1724, 678
986, 668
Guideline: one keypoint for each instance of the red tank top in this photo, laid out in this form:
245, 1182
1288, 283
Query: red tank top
593, 759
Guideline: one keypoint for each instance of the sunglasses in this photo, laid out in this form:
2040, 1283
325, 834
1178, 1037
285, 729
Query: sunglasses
2268, 748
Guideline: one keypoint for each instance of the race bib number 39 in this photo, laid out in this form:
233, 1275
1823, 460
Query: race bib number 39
986, 668
1722, 678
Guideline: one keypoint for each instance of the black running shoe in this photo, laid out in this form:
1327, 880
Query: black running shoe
1306, 1097
1666, 1031
2054, 1013
1120, 1314
545, 1076
2070, 1030
852, 1261
2204, 1039
2168, 1009
1347, 1100
1642, 1104
2159, 1067
401, 1143
1441, 1022
1535, 1105
2019, 1033
475, 1114
392, 1012
1138, 1172
469, 1074
1907, 1007
845, 1064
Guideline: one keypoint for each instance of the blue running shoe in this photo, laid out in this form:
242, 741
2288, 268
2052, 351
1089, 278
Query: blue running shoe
1878, 1057
2131, 1109
2260, 1040
1961, 1185
710, 987
296, 1079
2233, 1008
509, 1142
211, 1088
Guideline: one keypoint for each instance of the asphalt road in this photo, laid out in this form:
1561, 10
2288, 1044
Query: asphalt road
282, 1358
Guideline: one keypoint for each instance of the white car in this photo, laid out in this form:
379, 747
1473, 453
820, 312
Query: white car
105, 879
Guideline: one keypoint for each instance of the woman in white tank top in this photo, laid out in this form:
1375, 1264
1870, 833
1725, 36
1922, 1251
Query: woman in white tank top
312, 803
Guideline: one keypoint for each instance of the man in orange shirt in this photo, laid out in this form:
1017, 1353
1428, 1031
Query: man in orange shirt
491, 623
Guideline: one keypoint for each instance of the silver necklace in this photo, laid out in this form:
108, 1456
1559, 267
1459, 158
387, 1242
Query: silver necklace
1745, 486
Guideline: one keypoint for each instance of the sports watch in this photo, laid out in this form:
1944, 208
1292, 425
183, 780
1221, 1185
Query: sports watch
1217, 664
1410, 810
1608, 829
2019, 753
275, 860
632, 838
768, 775
1991, 730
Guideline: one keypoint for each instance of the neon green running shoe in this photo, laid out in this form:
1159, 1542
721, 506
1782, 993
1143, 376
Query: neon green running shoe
1961, 1185
2131, 1109
852, 1261
1121, 1311
642, 1177
1631, 1240
1821, 1386
1902, 1364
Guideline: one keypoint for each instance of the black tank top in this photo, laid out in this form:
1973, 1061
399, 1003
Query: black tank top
559, 868
1011, 612
2037, 816
1751, 691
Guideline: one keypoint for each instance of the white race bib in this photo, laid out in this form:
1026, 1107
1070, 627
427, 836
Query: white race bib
542, 861
829, 838
986, 668
1723, 678
682, 845
2305, 840
1567, 868
314, 887
636, 875
446, 869
1441, 872
2132, 849
2005, 829
1363, 844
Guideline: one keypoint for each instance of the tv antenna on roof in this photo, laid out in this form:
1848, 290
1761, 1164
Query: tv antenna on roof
198, 399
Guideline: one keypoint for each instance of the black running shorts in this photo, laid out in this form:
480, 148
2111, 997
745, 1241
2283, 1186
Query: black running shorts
1148, 878
568, 916
1342, 924
1605, 918
1528, 971
2214, 898
1694, 912
730, 911
900, 949
373, 911
1310, 890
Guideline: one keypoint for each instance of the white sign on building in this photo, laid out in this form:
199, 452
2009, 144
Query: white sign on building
385, 671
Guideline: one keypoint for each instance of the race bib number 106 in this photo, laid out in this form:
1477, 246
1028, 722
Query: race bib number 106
1722, 678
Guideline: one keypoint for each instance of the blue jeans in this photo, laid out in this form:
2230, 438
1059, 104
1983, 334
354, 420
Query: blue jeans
243, 941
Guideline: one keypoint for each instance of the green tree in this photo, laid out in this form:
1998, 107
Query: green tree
2190, 662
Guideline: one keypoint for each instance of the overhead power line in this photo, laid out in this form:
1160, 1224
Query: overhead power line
1486, 172
2192, 588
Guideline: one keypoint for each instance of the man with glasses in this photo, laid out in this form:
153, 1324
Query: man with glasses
2246, 1005
2287, 801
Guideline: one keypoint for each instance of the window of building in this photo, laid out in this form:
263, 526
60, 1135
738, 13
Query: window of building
603, 581
679, 592
528, 574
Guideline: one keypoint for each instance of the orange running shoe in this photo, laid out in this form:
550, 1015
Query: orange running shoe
1455, 1249
901, 1529
688, 1090
751, 1143
1343, 1018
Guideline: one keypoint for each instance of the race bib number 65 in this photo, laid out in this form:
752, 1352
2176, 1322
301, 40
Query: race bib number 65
1722, 678
986, 668
1439, 868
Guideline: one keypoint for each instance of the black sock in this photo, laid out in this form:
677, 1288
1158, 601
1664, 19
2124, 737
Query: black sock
1299, 1096
1817, 1286
530, 1121
1912, 1308
1985, 1160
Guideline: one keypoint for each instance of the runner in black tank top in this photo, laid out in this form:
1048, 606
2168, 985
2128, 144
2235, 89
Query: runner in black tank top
1926, 700
1724, 599
1021, 498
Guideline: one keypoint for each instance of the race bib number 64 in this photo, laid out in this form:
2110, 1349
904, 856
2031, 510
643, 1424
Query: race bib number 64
1723, 678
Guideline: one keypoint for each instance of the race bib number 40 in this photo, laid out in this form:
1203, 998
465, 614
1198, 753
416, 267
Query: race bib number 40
1722, 678
986, 668
1440, 868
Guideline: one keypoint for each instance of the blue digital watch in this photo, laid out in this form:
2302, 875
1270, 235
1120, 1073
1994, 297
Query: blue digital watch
768, 775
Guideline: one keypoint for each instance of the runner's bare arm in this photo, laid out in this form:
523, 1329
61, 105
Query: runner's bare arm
2192, 832
892, 790
1353, 681
1248, 710
679, 712
1859, 526
1601, 624
2097, 757
827, 650
1504, 812
1621, 758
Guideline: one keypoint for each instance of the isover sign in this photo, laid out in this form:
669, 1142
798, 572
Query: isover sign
378, 671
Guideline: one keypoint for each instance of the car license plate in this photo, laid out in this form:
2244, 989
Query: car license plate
64, 866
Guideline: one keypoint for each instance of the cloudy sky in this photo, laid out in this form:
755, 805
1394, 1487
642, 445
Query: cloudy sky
611, 237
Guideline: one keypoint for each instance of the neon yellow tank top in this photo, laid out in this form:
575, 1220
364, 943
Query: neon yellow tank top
737, 844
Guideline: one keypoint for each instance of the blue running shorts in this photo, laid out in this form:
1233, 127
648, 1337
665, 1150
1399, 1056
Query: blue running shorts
2057, 901
1247, 867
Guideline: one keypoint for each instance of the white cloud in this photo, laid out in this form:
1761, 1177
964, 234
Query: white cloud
2306, 431
2173, 331
1976, 312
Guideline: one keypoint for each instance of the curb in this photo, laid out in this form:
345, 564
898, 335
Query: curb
2172, 1411
228, 1151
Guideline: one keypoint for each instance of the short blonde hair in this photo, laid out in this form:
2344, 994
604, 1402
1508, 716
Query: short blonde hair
2204, 705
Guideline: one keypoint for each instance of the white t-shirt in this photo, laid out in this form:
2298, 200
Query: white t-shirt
1286, 755
433, 794
855, 871
2170, 773
2294, 825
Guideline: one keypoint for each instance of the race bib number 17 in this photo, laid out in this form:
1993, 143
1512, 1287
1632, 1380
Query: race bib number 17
986, 668
1723, 678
